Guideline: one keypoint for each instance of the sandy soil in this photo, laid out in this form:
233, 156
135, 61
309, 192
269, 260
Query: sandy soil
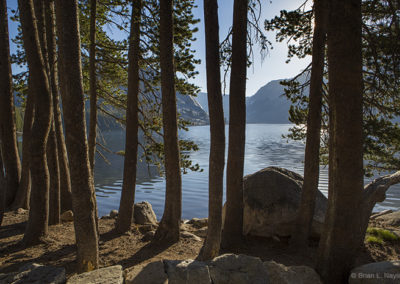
129, 249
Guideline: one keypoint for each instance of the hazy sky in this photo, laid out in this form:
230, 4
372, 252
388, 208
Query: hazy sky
261, 72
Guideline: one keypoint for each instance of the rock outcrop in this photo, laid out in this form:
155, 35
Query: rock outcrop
109, 275
271, 199
384, 272
279, 273
224, 269
35, 273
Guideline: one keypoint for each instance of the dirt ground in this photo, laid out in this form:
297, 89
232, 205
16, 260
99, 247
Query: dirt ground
129, 249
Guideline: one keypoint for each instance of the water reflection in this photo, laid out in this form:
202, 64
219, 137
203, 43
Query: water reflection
264, 147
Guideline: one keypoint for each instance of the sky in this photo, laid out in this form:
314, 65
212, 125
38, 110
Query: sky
261, 72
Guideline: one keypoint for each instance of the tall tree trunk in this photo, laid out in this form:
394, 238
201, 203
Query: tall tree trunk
65, 180
63, 191
8, 135
311, 163
233, 226
217, 131
51, 149
93, 85
340, 239
52, 158
83, 195
2, 187
131, 145
39, 206
24, 190
168, 229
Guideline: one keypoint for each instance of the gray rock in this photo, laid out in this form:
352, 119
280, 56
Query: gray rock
187, 271
147, 228
21, 211
148, 236
152, 273
378, 214
114, 213
198, 223
238, 269
67, 216
385, 272
143, 213
35, 273
271, 198
391, 219
279, 273
109, 275
187, 235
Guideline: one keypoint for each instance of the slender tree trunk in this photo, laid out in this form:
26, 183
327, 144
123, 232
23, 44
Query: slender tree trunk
83, 195
168, 229
311, 164
8, 135
233, 227
61, 191
24, 190
65, 181
131, 145
38, 215
2, 187
340, 239
217, 131
93, 85
52, 158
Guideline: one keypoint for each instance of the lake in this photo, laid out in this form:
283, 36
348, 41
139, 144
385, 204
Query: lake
265, 147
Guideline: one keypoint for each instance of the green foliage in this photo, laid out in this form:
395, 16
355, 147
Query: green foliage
380, 236
381, 81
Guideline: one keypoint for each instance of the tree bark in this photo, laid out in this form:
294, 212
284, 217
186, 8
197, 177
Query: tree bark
37, 226
83, 195
24, 190
168, 229
2, 187
340, 239
64, 190
217, 132
311, 163
131, 144
52, 158
93, 85
233, 227
8, 135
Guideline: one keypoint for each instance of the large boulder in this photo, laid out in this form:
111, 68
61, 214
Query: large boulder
35, 273
143, 213
279, 273
187, 271
271, 199
384, 272
152, 273
238, 269
110, 275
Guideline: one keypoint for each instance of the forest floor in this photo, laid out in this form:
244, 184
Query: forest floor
129, 249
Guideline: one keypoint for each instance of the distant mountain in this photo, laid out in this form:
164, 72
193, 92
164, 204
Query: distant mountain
203, 101
267, 105
191, 110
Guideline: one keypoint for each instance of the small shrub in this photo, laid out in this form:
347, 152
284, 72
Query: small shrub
377, 235
373, 240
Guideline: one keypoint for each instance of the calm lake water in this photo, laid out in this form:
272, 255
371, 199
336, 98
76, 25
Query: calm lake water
264, 147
